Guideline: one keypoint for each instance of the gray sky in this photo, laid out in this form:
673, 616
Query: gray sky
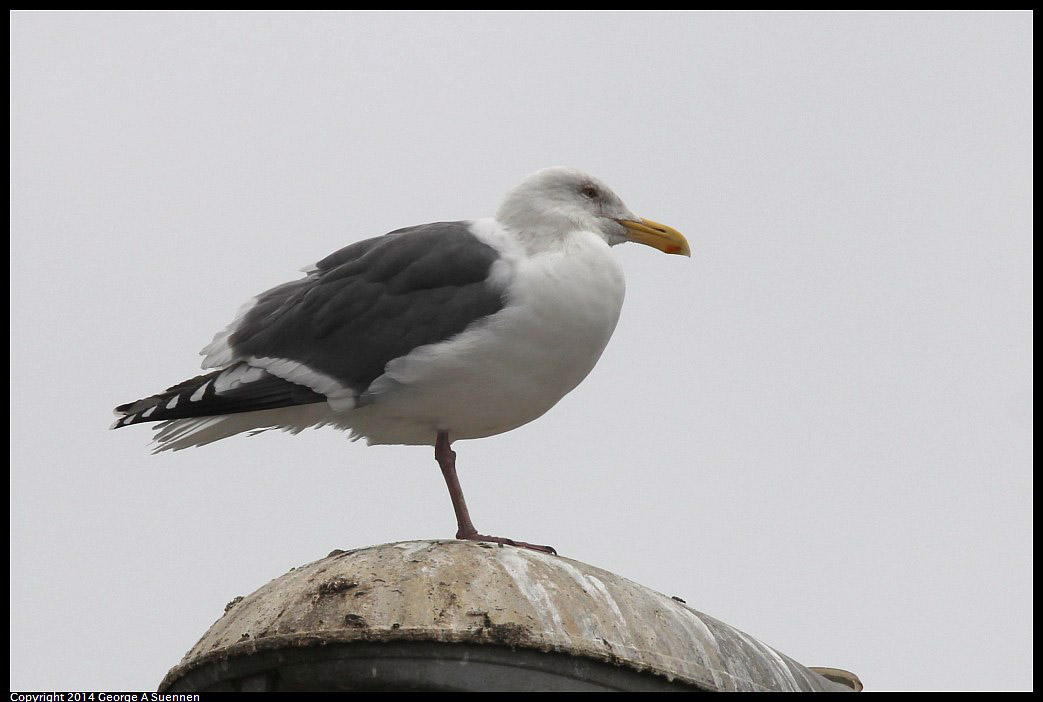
818, 429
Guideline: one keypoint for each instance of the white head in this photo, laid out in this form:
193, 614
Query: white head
555, 201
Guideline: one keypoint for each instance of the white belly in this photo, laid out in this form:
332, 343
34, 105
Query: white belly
510, 368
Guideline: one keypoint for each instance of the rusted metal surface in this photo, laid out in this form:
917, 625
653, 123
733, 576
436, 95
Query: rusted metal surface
481, 594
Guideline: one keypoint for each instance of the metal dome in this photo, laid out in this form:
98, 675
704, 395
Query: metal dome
455, 615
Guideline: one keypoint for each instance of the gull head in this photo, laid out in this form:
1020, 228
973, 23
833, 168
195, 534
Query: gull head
555, 201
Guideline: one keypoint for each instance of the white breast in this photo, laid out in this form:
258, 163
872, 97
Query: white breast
562, 307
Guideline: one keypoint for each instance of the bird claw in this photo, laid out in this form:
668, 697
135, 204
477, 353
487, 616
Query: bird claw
475, 536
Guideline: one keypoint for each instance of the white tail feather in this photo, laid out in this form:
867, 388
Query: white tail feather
178, 434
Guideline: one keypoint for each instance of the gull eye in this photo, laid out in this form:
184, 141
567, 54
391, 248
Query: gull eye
589, 192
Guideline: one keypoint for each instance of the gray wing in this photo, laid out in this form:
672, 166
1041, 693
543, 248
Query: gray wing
374, 301
356, 311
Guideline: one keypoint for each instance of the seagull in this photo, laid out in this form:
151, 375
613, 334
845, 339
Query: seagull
429, 334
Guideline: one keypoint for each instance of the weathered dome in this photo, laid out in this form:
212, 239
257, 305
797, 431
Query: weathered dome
455, 615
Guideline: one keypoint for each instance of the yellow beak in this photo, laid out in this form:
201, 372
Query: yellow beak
658, 236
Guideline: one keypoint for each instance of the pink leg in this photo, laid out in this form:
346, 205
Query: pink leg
446, 458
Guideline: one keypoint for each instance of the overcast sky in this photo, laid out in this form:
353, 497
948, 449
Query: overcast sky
818, 429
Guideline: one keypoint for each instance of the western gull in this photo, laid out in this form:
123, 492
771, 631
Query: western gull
428, 334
